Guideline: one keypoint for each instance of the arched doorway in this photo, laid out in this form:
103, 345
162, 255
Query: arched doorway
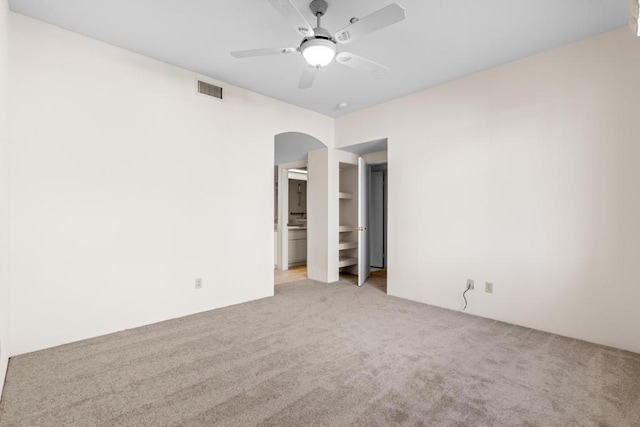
290, 201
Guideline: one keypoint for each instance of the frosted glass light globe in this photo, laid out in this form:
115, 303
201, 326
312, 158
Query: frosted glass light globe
318, 52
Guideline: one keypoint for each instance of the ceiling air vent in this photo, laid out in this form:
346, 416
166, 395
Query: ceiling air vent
208, 89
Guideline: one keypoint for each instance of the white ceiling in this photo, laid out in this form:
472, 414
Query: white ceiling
438, 42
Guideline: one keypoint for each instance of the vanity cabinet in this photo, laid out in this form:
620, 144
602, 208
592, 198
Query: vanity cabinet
297, 246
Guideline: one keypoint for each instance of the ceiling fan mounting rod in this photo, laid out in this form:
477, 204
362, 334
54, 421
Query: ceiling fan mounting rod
319, 8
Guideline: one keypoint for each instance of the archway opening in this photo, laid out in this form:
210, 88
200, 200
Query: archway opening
291, 175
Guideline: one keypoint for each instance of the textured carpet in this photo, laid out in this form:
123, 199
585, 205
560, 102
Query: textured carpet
319, 354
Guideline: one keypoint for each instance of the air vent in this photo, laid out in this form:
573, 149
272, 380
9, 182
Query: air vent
209, 89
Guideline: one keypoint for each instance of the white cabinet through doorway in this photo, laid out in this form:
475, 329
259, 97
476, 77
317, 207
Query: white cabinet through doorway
297, 246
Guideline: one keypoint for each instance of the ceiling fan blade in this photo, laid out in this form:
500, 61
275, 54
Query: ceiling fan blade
379, 19
308, 76
263, 52
360, 63
293, 16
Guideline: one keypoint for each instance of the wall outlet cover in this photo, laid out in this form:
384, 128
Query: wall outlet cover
488, 287
199, 283
470, 284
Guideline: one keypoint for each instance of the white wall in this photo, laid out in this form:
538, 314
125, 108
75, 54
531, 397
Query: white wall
4, 196
524, 175
322, 222
527, 176
119, 189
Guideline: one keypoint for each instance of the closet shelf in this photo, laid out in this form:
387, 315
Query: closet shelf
344, 195
347, 245
345, 228
345, 262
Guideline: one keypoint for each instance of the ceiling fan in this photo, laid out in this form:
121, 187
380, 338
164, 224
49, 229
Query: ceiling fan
319, 48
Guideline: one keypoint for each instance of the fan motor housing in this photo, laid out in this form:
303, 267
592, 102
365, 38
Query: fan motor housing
321, 33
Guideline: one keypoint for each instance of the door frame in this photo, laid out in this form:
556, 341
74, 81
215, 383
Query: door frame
364, 199
282, 258
384, 214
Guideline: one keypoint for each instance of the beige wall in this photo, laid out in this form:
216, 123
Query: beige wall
526, 176
4, 196
126, 186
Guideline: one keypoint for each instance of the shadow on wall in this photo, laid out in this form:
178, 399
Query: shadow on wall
294, 147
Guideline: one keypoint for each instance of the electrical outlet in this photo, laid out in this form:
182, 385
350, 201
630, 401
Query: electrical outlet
488, 287
470, 284
198, 282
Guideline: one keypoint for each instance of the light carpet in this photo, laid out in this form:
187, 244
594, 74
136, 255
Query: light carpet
319, 354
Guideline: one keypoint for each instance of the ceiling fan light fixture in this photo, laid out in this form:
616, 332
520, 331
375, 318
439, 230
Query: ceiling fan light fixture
318, 52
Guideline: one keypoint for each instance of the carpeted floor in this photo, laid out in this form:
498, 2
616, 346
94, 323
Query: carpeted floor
319, 354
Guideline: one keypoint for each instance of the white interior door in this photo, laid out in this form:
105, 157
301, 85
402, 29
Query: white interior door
363, 219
